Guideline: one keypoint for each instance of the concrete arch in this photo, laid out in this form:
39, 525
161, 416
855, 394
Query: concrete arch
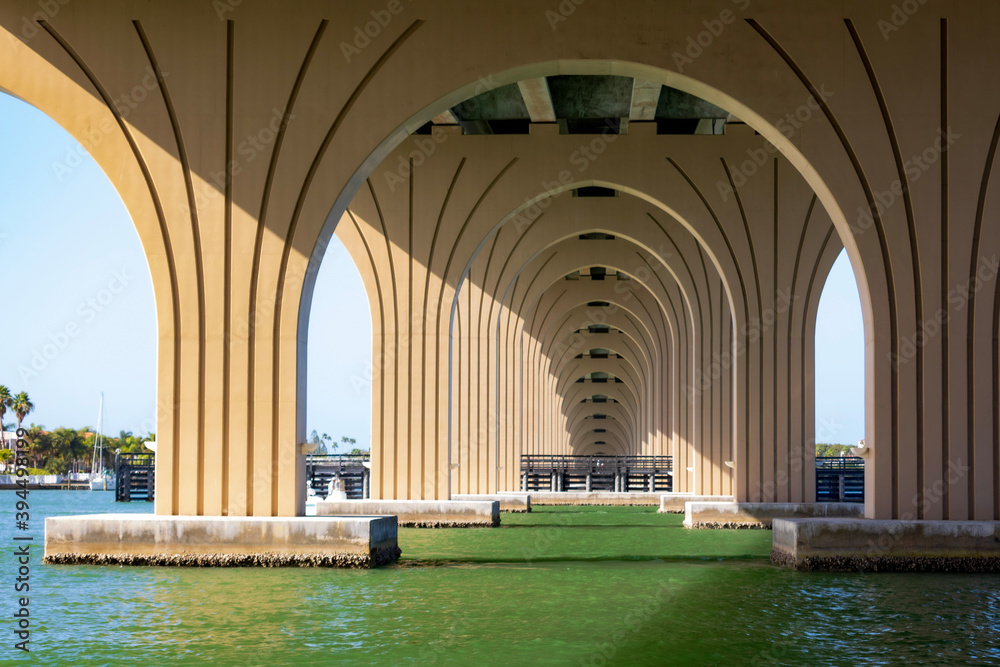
272, 222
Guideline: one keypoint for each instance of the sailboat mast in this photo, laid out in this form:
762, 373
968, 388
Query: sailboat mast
100, 431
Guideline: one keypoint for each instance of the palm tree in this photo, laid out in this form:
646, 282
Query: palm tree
22, 406
6, 401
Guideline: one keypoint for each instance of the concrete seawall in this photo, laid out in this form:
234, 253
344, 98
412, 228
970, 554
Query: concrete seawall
137, 539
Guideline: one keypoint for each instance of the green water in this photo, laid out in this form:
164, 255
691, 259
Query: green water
559, 586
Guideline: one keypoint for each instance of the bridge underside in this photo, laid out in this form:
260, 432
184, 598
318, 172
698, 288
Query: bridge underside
597, 231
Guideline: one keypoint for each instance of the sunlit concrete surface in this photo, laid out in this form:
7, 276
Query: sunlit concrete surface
760, 515
419, 513
885, 546
509, 502
673, 503
594, 498
140, 539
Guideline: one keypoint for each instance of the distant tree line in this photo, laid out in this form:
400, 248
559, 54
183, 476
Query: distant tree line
67, 450
64, 449
322, 448
833, 450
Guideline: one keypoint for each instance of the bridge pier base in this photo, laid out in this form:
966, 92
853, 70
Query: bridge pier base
673, 503
509, 501
869, 545
419, 513
761, 515
148, 539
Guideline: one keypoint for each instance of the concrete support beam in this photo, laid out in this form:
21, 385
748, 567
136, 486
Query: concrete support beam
887, 546
509, 502
673, 503
419, 513
538, 100
594, 498
137, 539
645, 97
761, 515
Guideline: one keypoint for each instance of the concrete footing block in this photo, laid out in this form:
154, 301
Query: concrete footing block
673, 503
509, 502
420, 513
760, 515
870, 545
595, 498
148, 539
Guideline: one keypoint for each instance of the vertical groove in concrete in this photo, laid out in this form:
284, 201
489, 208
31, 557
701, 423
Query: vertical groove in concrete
774, 334
945, 278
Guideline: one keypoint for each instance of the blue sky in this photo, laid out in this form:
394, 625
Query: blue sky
80, 317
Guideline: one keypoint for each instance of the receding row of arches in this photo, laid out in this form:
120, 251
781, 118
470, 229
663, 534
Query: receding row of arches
575, 324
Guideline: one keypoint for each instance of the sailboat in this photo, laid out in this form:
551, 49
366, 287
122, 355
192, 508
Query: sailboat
101, 479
